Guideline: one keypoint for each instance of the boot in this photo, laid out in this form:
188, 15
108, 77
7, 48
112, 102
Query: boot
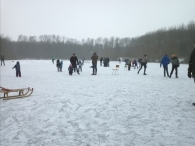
193, 104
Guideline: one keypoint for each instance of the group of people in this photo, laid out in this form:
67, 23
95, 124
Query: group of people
73, 64
143, 62
105, 61
59, 65
175, 64
164, 62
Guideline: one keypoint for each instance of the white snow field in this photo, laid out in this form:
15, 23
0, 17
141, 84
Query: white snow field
127, 109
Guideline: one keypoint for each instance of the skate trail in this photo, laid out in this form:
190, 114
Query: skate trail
104, 110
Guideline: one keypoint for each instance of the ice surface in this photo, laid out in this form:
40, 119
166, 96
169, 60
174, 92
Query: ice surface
127, 109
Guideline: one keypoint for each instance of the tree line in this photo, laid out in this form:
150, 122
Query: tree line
174, 40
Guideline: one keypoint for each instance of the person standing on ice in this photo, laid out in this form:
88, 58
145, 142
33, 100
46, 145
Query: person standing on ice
74, 62
143, 63
129, 65
175, 65
80, 65
135, 64
101, 59
17, 67
58, 65
83, 60
2, 59
94, 63
165, 61
53, 59
191, 68
61, 65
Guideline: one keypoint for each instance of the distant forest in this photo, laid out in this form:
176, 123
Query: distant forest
174, 40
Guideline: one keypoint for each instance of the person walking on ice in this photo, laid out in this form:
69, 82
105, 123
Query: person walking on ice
143, 63
74, 62
17, 67
94, 63
175, 65
191, 68
58, 65
165, 61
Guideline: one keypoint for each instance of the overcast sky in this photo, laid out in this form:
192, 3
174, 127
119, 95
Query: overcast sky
92, 18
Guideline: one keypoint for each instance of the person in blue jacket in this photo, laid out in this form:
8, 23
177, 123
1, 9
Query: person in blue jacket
61, 65
165, 61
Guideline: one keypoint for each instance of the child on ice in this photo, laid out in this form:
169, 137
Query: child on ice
61, 65
80, 65
17, 67
70, 68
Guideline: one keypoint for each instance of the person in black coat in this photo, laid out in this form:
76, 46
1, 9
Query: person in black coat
191, 68
17, 67
74, 61
129, 65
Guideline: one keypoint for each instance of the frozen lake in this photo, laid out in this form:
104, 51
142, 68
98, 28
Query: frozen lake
103, 110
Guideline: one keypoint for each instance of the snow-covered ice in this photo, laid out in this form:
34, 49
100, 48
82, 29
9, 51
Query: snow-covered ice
127, 109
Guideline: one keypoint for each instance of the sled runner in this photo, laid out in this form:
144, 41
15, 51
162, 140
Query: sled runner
24, 92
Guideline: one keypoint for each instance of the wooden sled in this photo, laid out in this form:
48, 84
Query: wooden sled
24, 92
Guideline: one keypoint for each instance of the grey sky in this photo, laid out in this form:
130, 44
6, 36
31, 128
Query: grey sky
92, 18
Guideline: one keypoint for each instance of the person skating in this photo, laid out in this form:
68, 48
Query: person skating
74, 62
17, 67
175, 65
143, 63
191, 68
94, 63
165, 61
2, 59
